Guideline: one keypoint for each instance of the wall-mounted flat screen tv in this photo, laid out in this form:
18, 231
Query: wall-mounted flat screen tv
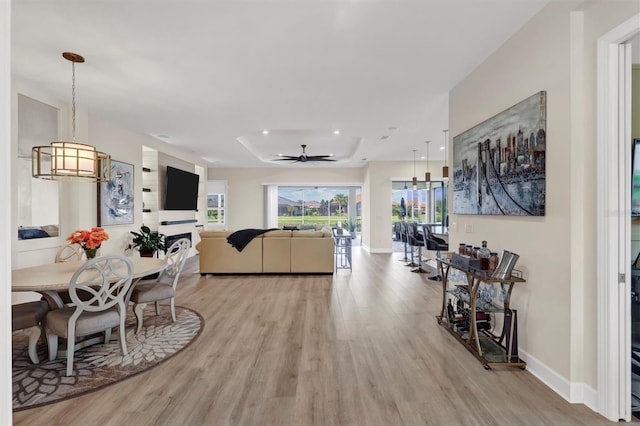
635, 178
181, 192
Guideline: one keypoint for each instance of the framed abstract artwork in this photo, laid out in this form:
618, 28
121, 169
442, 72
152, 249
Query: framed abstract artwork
116, 197
499, 164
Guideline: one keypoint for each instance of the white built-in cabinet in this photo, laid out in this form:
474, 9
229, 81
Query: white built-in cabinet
154, 166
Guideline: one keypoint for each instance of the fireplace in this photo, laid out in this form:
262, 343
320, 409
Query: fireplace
170, 239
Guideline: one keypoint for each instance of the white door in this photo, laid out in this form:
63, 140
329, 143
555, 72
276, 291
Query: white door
614, 221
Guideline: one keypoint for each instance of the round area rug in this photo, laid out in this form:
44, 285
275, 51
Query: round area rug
101, 365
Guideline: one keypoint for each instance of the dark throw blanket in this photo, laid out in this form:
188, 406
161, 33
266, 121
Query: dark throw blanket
241, 238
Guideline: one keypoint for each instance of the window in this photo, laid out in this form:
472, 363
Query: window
316, 206
215, 208
426, 204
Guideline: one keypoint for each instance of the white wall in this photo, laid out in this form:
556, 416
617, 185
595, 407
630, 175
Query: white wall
78, 202
555, 52
5, 211
380, 175
245, 196
124, 145
245, 193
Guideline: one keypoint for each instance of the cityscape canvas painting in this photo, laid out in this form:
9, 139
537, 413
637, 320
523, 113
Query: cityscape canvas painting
499, 165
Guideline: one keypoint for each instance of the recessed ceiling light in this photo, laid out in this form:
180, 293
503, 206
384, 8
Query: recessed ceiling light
265, 132
280, 155
336, 132
384, 137
422, 158
442, 147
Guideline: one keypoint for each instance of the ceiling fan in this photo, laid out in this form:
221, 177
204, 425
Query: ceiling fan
303, 158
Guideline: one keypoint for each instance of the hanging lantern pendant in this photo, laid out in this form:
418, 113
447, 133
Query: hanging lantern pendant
63, 160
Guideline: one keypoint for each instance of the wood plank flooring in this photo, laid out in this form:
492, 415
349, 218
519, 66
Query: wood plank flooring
359, 348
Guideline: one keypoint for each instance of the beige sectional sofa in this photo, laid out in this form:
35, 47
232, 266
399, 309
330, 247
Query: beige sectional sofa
277, 252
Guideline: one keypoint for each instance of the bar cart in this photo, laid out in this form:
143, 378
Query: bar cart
470, 320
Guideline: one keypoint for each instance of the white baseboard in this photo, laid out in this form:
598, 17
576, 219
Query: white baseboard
575, 393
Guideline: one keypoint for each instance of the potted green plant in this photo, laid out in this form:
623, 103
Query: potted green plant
351, 226
147, 241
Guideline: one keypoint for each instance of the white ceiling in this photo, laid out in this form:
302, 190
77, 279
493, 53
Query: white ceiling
210, 76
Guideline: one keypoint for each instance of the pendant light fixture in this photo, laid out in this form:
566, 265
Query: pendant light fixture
445, 168
427, 175
64, 160
414, 180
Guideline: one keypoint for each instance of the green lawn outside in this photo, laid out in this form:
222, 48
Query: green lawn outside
319, 221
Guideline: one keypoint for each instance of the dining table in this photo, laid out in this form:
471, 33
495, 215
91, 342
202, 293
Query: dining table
52, 278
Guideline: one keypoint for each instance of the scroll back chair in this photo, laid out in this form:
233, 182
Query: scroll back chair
69, 252
164, 287
106, 280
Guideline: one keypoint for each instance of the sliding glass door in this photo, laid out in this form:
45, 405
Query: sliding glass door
425, 204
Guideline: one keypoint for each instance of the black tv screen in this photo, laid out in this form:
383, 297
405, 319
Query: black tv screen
635, 178
181, 192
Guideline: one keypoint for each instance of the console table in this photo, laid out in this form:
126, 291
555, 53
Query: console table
474, 330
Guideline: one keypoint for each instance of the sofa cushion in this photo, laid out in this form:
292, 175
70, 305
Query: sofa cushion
215, 234
307, 234
276, 254
277, 234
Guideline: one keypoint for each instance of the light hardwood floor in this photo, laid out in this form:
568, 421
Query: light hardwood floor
360, 348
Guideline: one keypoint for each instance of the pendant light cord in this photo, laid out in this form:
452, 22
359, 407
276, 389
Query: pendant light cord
446, 141
414, 162
73, 101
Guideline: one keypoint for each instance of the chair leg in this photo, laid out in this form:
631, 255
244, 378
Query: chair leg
157, 307
172, 301
107, 335
412, 264
34, 335
71, 343
437, 276
419, 269
138, 310
52, 341
405, 258
123, 336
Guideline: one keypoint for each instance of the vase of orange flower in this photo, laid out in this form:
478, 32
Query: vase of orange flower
90, 241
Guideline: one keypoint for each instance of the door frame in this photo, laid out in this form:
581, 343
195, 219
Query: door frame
614, 221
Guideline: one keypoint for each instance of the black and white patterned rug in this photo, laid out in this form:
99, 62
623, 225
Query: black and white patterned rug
101, 365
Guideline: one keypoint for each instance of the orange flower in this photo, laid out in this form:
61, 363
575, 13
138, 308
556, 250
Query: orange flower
88, 239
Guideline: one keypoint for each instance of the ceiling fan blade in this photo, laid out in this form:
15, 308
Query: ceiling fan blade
303, 158
318, 157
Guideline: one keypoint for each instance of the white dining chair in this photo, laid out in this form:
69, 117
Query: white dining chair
69, 252
164, 287
103, 283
